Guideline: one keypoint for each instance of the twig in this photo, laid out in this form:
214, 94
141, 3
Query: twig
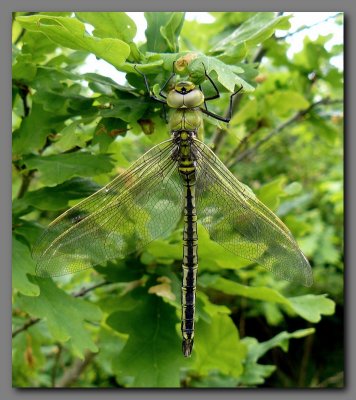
305, 27
33, 321
305, 359
297, 116
337, 380
25, 183
55, 365
25, 326
73, 373
84, 291
242, 144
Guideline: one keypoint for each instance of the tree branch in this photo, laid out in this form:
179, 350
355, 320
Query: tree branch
305, 27
25, 183
84, 291
55, 365
296, 117
25, 326
72, 374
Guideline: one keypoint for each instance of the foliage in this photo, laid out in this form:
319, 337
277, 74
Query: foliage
73, 132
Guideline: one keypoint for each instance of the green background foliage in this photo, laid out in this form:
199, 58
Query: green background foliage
117, 325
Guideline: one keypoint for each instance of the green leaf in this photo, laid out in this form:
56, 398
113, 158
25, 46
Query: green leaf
110, 344
69, 32
69, 137
107, 130
233, 288
34, 129
309, 307
104, 80
214, 380
58, 168
248, 111
23, 69
271, 192
254, 373
38, 46
225, 74
57, 197
152, 356
65, 315
213, 257
162, 31
218, 346
281, 340
172, 29
285, 101
254, 31
23, 264
126, 109
116, 25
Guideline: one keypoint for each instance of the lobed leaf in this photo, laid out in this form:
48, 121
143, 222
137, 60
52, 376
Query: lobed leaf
23, 264
56, 169
70, 32
64, 314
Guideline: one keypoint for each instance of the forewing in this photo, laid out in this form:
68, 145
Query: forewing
239, 222
138, 206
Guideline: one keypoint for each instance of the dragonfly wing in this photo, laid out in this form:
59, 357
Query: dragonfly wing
138, 206
239, 222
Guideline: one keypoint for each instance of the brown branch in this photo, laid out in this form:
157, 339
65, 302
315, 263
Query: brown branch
80, 293
25, 183
336, 380
308, 345
296, 117
242, 144
72, 374
55, 365
25, 326
84, 291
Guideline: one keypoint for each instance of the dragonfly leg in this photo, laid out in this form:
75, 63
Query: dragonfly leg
217, 93
152, 96
163, 87
165, 113
229, 113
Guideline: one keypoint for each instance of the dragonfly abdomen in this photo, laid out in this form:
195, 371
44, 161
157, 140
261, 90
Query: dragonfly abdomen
187, 170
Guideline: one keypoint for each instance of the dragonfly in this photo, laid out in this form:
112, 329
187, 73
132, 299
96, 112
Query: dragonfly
180, 178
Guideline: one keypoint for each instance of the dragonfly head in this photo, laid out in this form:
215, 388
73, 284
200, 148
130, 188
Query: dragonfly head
184, 87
